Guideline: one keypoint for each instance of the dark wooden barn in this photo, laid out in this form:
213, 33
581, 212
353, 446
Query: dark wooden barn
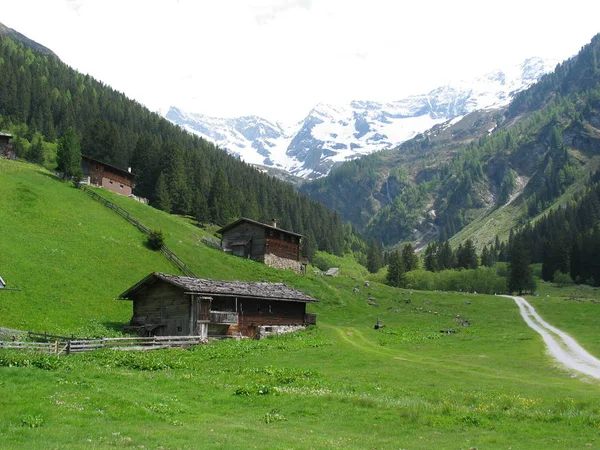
97, 173
6, 148
169, 305
266, 243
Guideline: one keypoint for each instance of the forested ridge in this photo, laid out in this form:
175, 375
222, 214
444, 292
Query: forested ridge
541, 145
40, 98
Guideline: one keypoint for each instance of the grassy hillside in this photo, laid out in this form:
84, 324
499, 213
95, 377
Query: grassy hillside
341, 384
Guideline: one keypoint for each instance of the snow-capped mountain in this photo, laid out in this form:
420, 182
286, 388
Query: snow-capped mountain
331, 134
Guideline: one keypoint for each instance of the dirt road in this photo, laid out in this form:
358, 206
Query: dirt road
560, 345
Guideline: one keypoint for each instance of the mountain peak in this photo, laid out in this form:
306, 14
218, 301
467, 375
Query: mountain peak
333, 133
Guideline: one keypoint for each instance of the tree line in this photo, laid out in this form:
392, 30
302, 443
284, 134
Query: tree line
41, 98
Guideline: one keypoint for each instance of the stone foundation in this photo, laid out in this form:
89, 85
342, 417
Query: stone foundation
268, 330
283, 263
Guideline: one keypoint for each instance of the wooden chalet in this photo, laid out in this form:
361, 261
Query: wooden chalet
169, 305
261, 242
6, 148
97, 173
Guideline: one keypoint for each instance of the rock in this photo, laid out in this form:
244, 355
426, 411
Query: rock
211, 242
467, 302
366, 284
333, 272
355, 290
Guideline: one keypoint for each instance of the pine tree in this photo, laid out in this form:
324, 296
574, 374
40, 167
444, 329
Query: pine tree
161, 194
68, 155
431, 262
396, 269
410, 260
520, 275
309, 246
36, 152
374, 257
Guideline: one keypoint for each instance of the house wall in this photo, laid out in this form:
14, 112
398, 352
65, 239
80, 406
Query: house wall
164, 304
117, 186
244, 232
100, 175
168, 307
282, 244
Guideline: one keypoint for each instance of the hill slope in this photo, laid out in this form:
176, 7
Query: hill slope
416, 387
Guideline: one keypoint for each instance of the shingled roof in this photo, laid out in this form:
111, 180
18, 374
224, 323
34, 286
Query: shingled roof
264, 225
207, 287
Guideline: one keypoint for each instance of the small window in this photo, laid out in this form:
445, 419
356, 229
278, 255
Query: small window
271, 233
179, 329
110, 181
293, 239
282, 236
270, 309
121, 186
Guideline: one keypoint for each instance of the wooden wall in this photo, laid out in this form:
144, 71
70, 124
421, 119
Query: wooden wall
164, 304
243, 233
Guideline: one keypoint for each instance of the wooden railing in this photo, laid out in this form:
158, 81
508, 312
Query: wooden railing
178, 262
224, 317
86, 345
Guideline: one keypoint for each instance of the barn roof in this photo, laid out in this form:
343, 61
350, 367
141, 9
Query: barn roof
207, 287
245, 219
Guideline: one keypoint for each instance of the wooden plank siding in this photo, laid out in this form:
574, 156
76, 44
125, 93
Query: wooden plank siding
165, 306
260, 241
247, 232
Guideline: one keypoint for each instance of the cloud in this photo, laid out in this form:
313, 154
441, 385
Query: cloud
271, 11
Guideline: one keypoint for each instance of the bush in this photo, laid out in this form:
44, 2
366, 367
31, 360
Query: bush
156, 239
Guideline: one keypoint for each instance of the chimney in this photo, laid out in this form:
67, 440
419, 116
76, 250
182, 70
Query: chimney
274, 223
129, 169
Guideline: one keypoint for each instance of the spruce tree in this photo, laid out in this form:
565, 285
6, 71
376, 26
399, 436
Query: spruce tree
68, 155
431, 262
161, 194
36, 152
374, 257
520, 275
410, 260
396, 270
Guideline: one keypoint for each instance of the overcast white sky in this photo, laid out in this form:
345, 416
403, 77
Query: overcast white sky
279, 58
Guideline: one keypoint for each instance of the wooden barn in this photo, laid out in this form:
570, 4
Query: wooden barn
6, 149
170, 305
97, 173
261, 242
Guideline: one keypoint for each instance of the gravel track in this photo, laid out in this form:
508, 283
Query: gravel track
560, 345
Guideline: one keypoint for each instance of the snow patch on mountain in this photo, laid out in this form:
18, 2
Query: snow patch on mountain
332, 134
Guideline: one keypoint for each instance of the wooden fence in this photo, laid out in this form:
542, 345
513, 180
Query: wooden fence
178, 262
86, 345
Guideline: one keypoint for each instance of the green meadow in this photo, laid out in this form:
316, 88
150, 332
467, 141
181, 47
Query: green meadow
485, 382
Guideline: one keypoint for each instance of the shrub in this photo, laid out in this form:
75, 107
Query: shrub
156, 239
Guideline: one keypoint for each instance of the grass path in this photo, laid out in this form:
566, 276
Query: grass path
357, 339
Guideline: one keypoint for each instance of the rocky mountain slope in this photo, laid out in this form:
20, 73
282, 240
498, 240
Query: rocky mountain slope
332, 134
492, 169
